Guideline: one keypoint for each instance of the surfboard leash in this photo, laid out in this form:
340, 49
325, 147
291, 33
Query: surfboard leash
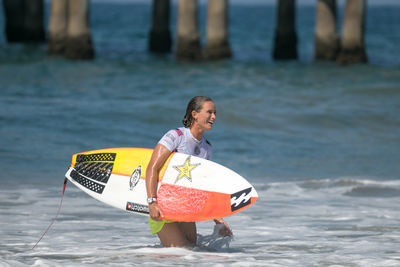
55, 218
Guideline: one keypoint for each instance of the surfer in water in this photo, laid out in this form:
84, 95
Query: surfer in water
199, 118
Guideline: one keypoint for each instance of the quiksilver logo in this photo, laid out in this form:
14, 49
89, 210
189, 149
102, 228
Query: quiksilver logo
240, 199
135, 177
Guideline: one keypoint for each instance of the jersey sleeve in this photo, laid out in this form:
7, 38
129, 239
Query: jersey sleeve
171, 140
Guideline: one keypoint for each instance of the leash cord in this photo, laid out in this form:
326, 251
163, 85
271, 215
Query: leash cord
58, 212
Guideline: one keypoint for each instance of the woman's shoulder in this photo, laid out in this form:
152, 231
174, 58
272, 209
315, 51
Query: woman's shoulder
177, 132
173, 137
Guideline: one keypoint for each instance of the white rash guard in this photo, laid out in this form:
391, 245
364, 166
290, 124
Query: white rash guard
181, 140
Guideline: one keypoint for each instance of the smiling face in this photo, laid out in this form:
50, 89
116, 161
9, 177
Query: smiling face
205, 118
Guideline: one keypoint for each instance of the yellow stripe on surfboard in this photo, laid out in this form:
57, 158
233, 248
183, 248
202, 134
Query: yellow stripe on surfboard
126, 160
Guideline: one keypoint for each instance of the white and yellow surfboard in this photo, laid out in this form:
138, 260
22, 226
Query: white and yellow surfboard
189, 189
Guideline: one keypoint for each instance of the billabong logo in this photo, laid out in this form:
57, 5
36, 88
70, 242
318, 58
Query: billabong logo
135, 177
130, 206
240, 199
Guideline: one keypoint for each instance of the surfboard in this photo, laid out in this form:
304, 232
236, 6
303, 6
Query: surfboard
189, 188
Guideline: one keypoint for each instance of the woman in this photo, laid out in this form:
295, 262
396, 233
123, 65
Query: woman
199, 118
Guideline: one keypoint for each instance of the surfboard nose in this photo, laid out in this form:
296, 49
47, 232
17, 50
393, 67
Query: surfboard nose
254, 192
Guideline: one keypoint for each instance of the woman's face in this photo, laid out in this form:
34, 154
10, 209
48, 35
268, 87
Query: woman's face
206, 117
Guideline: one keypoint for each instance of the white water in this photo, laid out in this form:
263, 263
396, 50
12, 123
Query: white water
338, 222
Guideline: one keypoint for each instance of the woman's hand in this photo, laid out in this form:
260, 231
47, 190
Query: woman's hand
158, 158
224, 231
155, 212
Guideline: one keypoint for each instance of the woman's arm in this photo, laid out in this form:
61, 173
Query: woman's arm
158, 158
225, 231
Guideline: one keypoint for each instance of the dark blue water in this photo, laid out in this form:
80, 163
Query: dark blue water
320, 142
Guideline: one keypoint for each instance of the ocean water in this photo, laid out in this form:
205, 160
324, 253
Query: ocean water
320, 143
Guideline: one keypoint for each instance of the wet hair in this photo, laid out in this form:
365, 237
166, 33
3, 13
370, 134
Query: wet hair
196, 104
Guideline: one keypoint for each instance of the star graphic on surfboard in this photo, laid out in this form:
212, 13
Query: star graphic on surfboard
185, 170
